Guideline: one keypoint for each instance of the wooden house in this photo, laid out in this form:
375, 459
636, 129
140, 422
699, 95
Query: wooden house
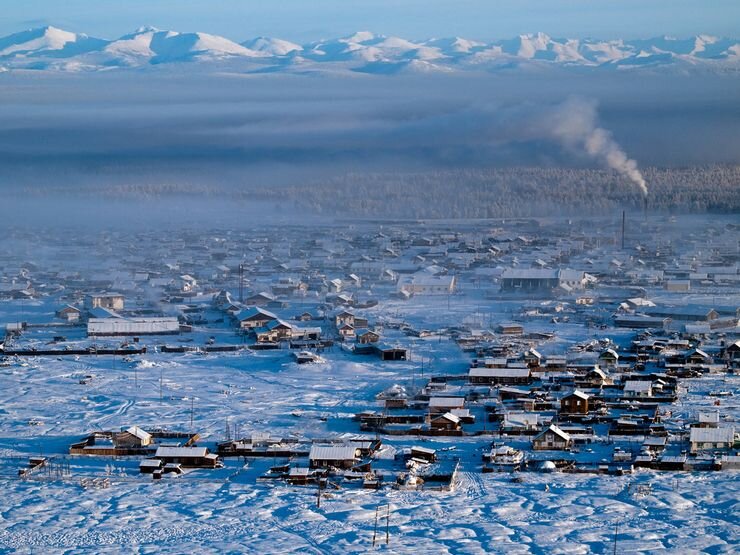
708, 419
254, 317
424, 454
69, 313
346, 331
132, 438
575, 403
552, 439
331, 455
112, 301
189, 457
732, 352
276, 330
532, 358
365, 336
516, 422
261, 299
697, 357
703, 439
637, 389
510, 328
446, 422
440, 405
608, 359
349, 318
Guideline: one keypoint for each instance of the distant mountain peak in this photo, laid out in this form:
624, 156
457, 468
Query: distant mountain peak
52, 48
147, 29
360, 36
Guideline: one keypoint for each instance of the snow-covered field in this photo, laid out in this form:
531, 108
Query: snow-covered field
44, 408
680, 513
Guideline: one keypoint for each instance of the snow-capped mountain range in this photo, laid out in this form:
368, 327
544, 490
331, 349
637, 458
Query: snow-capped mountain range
50, 48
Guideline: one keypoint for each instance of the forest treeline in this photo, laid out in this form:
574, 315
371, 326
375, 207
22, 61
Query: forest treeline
515, 192
481, 193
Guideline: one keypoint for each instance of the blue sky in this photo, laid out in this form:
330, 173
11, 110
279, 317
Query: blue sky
305, 20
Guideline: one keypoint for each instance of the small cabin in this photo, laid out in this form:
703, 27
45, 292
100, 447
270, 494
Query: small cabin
69, 313
552, 439
132, 438
365, 336
446, 422
255, 317
609, 359
575, 403
424, 454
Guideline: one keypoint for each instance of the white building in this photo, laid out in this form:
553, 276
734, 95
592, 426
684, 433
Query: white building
107, 327
424, 284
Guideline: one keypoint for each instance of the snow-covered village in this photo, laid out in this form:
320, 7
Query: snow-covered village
472, 386
338, 277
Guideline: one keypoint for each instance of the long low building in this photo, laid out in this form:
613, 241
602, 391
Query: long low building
108, 327
516, 375
538, 279
425, 284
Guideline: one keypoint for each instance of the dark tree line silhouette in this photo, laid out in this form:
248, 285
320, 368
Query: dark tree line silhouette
515, 192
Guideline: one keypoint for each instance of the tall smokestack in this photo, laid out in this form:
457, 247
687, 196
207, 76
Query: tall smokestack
623, 218
644, 206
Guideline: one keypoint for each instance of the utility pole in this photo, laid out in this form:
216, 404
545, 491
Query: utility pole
616, 531
160, 384
375, 531
623, 218
387, 524
241, 282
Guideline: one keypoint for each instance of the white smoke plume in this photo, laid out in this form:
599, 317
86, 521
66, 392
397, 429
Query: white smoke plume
575, 123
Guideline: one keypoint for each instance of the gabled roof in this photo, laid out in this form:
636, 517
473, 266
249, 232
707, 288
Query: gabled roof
278, 324
712, 435
253, 312
557, 431
100, 312
139, 433
164, 451
637, 385
332, 452
264, 295
447, 402
448, 416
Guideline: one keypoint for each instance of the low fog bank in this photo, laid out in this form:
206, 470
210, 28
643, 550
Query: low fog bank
166, 209
197, 143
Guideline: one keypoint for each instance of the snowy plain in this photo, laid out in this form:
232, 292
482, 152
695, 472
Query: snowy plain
44, 409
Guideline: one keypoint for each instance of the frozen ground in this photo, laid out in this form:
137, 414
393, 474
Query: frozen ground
43, 408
